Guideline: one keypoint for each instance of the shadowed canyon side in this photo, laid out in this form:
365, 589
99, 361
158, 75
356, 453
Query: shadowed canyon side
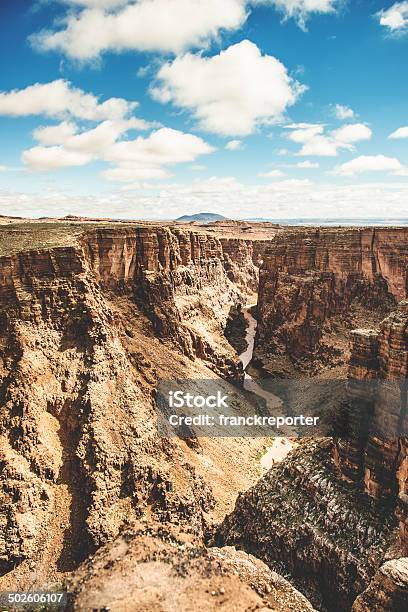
88, 326
318, 284
334, 512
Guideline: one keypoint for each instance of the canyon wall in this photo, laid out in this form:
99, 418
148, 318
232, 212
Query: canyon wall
374, 455
180, 279
334, 514
85, 333
316, 284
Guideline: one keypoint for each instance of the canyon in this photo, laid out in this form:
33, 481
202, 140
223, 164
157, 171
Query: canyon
94, 314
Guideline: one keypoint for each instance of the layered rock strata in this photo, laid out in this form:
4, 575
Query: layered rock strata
374, 455
85, 333
317, 284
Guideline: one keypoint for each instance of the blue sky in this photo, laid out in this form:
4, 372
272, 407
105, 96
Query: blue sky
250, 108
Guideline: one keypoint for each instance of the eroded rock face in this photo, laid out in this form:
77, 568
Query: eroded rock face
374, 457
180, 280
157, 568
85, 332
316, 284
301, 519
388, 590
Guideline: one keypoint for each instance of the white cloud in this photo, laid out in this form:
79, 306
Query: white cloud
138, 186
272, 174
395, 18
343, 112
123, 173
104, 4
169, 26
53, 158
316, 141
303, 132
55, 134
146, 158
307, 165
369, 163
275, 200
234, 145
198, 167
164, 146
402, 132
230, 93
99, 140
300, 9
313, 140
138, 159
60, 99
352, 133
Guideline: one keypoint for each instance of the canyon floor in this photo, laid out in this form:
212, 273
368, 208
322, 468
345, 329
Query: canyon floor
94, 501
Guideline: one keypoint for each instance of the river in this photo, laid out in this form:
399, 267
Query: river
281, 446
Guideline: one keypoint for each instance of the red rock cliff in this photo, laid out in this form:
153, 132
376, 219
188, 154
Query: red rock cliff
85, 331
315, 283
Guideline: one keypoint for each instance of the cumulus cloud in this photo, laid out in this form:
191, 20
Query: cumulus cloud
233, 145
53, 158
343, 112
141, 158
402, 132
149, 158
163, 147
369, 163
230, 93
395, 18
55, 134
61, 99
272, 174
352, 133
316, 141
125, 174
104, 4
169, 26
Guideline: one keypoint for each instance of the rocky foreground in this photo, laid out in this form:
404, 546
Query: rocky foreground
93, 499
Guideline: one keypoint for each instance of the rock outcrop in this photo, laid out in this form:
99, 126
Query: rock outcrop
387, 591
317, 284
305, 522
184, 281
89, 326
162, 569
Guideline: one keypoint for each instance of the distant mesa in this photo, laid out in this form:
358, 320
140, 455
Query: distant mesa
204, 217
